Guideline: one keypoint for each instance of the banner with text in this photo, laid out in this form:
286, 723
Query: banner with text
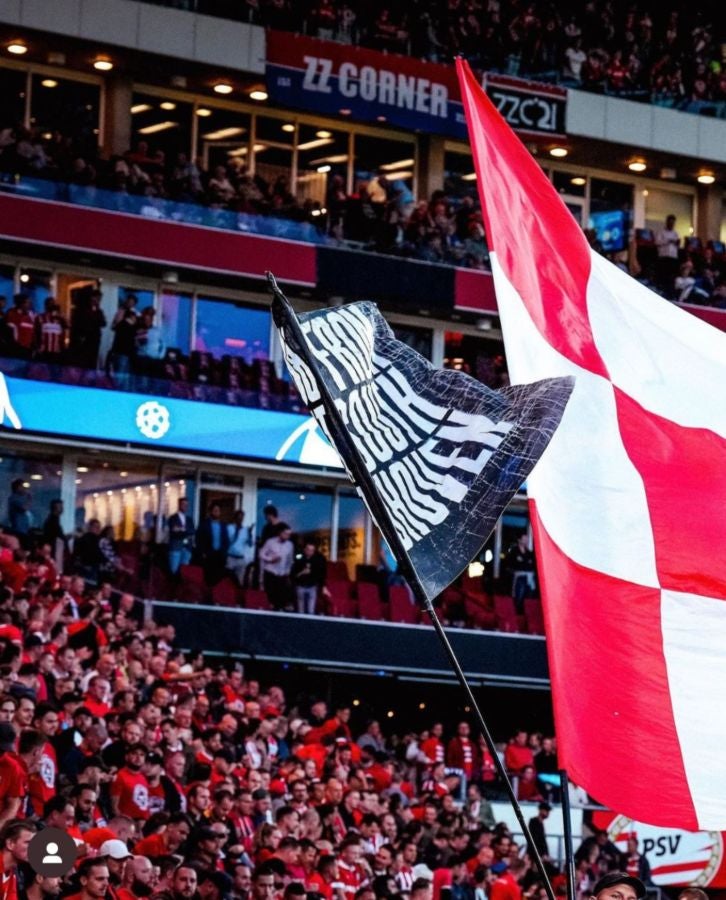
528, 107
339, 79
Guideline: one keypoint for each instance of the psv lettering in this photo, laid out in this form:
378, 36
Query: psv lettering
668, 844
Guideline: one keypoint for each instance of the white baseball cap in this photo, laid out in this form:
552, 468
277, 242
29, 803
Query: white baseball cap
115, 849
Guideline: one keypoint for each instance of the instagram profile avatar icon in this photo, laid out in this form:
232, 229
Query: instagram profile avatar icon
52, 852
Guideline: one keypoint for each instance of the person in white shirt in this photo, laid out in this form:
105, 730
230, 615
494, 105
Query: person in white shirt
240, 552
667, 242
276, 558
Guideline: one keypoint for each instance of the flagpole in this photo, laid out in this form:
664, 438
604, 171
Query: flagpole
567, 827
359, 474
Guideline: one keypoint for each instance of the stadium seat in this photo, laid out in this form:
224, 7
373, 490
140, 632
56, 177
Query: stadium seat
533, 615
193, 574
479, 612
256, 599
341, 602
403, 608
337, 570
191, 592
226, 593
369, 601
506, 613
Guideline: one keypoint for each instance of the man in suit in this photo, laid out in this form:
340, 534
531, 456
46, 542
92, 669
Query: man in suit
181, 537
213, 544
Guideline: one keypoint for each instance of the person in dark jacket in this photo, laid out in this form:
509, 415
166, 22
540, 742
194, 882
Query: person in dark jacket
212, 545
308, 578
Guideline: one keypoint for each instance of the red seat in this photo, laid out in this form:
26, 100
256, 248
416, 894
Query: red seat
506, 613
479, 614
191, 592
338, 571
341, 601
226, 593
369, 601
403, 608
194, 574
533, 614
256, 599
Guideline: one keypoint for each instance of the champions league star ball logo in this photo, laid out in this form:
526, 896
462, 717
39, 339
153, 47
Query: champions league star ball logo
152, 420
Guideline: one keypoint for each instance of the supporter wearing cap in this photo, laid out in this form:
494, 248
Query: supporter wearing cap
130, 789
619, 886
116, 854
506, 886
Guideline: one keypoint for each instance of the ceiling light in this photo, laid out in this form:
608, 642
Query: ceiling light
323, 134
81, 468
323, 169
312, 145
17, 48
400, 164
706, 178
380, 118
168, 105
139, 108
159, 126
25, 278
258, 95
578, 181
344, 112
338, 158
35, 477
221, 133
559, 152
289, 127
49, 82
103, 64
203, 112
223, 88
637, 165
470, 176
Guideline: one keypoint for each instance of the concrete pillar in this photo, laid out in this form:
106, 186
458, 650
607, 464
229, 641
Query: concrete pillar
709, 212
430, 170
116, 136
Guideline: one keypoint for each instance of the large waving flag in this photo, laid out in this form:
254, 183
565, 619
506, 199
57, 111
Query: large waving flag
435, 455
628, 501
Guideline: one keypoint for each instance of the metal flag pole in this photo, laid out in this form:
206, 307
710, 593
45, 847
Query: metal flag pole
567, 825
359, 474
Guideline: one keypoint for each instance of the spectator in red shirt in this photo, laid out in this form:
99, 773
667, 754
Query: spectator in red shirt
14, 771
21, 322
15, 836
42, 782
130, 789
94, 877
518, 753
506, 887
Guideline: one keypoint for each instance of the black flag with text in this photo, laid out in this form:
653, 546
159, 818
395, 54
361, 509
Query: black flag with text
435, 455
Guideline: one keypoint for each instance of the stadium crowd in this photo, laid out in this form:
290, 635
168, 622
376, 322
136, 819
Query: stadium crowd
671, 54
380, 215
183, 780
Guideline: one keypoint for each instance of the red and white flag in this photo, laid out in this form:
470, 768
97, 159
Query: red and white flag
628, 502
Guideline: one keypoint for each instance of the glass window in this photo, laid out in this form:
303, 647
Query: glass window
123, 495
419, 339
176, 319
352, 517
38, 479
322, 157
395, 158
306, 509
659, 204
482, 359
160, 126
70, 107
37, 285
459, 175
611, 211
569, 183
273, 158
224, 136
7, 285
230, 329
12, 98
